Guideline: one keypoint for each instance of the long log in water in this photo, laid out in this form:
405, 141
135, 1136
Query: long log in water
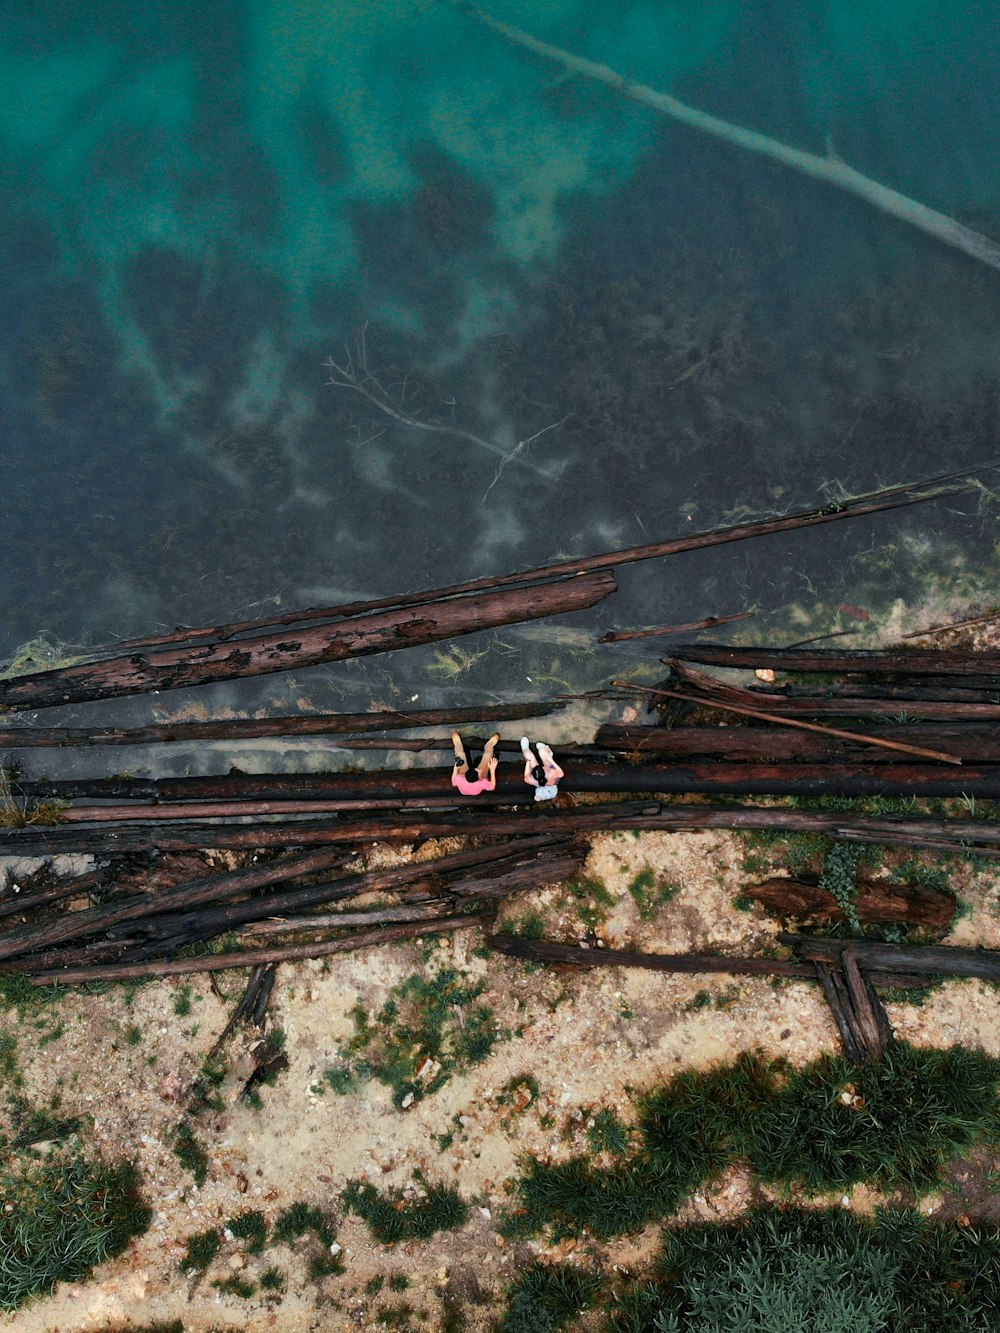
969, 741
892, 661
890, 497
326, 724
172, 669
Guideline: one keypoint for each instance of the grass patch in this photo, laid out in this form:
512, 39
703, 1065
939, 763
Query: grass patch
793, 1271
606, 1133
830, 1125
428, 1029
651, 891
190, 1152
251, 1227
65, 1216
544, 1300
392, 1218
200, 1250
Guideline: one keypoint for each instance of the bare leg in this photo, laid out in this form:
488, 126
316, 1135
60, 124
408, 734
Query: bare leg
530, 762
552, 770
487, 759
461, 760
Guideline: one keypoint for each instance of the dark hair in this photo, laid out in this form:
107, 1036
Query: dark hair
538, 773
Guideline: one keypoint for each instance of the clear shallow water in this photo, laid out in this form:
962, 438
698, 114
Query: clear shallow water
200, 210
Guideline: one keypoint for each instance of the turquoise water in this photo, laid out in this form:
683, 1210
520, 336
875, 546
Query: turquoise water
203, 205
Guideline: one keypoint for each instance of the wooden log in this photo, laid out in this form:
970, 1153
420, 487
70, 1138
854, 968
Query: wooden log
705, 688
878, 902
171, 669
858, 738
871, 1026
883, 661
217, 888
889, 497
958, 624
711, 622
161, 934
77, 925
980, 835
840, 1009
928, 960
704, 777
23, 903
549, 951
827, 167
221, 962
324, 724
968, 741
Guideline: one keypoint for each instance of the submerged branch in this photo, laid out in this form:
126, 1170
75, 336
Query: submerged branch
829, 169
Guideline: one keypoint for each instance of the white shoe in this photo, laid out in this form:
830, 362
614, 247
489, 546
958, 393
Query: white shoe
544, 750
525, 745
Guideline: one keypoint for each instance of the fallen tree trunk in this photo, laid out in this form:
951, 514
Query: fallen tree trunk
829, 168
891, 661
172, 669
877, 901
928, 960
221, 962
548, 951
951, 835
971, 742
692, 776
326, 724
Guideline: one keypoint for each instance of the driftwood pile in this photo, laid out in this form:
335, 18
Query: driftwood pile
202, 874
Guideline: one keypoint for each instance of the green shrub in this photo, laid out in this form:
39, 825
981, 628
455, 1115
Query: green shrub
826, 1271
544, 1300
251, 1227
66, 1215
200, 1250
392, 1218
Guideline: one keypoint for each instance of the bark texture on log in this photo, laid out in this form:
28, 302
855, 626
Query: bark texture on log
878, 902
325, 724
172, 669
892, 661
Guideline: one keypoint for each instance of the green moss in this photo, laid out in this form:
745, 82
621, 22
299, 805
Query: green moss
182, 1000
66, 1215
374, 1285
273, 1279
299, 1219
392, 1218
200, 1250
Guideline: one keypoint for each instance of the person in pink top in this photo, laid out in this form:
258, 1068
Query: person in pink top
486, 773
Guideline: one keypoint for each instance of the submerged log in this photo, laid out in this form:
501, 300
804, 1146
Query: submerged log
326, 724
891, 661
172, 669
